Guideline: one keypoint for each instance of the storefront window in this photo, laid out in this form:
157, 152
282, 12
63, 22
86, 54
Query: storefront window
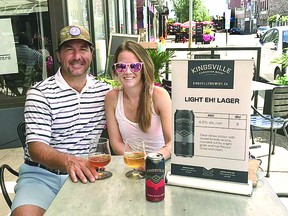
27, 50
151, 24
77, 12
112, 16
129, 12
132, 17
100, 36
123, 25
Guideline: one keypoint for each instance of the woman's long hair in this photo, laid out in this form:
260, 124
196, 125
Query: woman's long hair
144, 111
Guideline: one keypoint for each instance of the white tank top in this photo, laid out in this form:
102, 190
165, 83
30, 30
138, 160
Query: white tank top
154, 139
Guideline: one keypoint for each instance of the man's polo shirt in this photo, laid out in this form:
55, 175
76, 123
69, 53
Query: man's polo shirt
63, 118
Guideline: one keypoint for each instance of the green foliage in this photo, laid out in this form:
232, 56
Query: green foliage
160, 59
281, 80
282, 59
273, 18
207, 30
181, 9
277, 18
171, 21
107, 79
284, 18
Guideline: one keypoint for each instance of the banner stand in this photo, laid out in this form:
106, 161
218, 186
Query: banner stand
210, 184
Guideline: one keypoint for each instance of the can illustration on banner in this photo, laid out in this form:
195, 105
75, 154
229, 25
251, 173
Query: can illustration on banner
155, 177
184, 133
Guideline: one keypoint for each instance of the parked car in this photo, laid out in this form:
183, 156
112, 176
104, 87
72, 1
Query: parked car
235, 30
261, 30
273, 44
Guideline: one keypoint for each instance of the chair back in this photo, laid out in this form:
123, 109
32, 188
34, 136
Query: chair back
167, 84
279, 102
21, 131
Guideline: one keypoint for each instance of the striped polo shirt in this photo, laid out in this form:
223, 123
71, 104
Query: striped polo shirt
63, 118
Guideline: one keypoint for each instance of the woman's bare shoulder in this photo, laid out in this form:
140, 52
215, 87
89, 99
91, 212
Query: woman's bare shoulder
112, 95
159, 92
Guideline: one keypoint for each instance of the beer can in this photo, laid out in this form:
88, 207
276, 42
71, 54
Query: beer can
184, 133
155, 177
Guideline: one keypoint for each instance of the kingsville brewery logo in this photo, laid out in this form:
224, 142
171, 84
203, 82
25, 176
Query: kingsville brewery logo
211, 74
5, 57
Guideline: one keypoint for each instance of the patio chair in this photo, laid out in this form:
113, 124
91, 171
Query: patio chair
278, 119
2, 182
167, 84
21, 131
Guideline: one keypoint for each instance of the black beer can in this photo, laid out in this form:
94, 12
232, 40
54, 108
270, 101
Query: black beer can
184, 133
155, 177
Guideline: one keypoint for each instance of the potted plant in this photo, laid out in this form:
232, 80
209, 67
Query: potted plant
282, 60
207, 35
160, 60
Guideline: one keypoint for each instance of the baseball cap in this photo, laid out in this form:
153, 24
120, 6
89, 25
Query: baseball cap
74, 32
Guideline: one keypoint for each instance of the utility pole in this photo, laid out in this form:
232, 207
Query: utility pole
190, 22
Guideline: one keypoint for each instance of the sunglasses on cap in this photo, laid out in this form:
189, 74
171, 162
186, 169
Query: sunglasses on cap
121, 67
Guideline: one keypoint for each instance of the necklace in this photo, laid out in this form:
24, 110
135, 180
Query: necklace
131, 108
128, 103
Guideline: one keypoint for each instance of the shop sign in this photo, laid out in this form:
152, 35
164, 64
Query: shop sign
8, 58
211, 118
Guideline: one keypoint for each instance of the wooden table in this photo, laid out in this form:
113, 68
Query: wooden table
119, 196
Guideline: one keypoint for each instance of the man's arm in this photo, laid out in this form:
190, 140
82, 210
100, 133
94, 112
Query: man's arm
77, 167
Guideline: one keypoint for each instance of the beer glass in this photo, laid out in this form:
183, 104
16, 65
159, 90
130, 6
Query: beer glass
134, 157
99, 156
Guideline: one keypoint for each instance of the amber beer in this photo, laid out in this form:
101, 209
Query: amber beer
134, 160
155, 177
184, 133
98, 161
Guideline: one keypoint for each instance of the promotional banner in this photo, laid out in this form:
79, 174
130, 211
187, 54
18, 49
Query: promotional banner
211, 116
8, 58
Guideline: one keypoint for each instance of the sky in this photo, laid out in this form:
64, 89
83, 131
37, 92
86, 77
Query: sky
215, 7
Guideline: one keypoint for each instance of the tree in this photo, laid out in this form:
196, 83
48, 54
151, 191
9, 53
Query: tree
181, 9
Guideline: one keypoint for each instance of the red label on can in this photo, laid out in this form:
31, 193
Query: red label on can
155, 192
155, 179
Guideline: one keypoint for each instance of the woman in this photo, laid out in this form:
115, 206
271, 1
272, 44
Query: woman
138, 108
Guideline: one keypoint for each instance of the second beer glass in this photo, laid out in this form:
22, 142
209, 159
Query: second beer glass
134, 157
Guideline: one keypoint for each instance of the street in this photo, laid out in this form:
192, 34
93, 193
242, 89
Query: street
243, 40
220, 41
236, 40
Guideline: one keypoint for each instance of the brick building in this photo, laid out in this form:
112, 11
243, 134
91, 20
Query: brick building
249, 14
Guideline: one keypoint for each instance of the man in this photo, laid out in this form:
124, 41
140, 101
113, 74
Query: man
62, 114
29, 66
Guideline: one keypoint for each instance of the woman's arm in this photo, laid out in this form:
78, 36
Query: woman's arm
162, 106
115, 137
